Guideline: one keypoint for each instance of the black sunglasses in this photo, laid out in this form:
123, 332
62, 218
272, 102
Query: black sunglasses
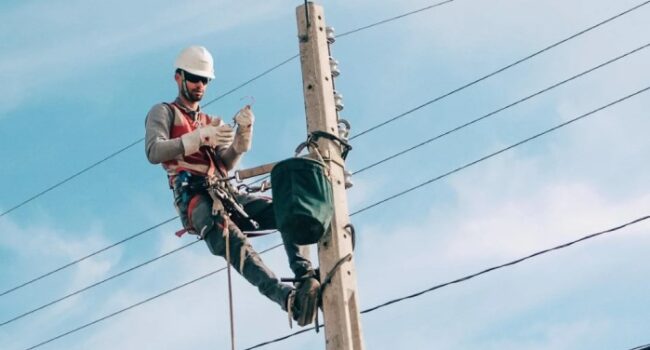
192, 78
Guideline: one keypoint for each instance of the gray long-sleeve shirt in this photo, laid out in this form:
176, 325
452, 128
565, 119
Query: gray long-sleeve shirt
159, 147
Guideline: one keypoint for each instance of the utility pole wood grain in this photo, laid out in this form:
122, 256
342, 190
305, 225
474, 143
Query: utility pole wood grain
340, 299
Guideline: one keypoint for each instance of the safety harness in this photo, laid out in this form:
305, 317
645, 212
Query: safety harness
201, 173
223, 194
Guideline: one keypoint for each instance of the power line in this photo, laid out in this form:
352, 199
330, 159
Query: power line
87, 256
503, 150
511, 263
642, 347
97, 283
277, 340
474, 275
501, 109
71, 177
498, 70
394, 18
487, 115
338, 36
252, 79
122, 310
258, 76
138, 304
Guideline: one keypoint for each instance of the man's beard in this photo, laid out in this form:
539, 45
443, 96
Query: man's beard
194, 96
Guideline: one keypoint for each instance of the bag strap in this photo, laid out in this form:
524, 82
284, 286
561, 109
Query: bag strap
312, 147
315, 135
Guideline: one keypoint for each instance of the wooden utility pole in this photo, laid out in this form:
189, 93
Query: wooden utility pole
340, 298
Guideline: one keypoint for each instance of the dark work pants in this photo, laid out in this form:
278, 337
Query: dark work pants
243, 257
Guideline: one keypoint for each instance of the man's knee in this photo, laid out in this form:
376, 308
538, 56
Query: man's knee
261, 210
238, 244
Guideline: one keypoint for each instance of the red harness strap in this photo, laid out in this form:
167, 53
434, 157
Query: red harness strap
190, 207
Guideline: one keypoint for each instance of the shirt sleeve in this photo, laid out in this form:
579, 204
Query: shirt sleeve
158, 145
229, 157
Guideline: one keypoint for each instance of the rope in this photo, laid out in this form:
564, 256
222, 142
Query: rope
328, 280
226, 233
330, 274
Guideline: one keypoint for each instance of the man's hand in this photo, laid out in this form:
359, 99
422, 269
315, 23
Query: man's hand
217, 136
245, 117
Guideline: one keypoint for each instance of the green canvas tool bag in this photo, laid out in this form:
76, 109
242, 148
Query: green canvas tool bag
302, 199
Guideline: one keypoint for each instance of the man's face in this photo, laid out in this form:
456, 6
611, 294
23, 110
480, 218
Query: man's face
196, 86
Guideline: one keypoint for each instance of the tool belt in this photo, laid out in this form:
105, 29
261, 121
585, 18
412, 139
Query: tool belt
187, 190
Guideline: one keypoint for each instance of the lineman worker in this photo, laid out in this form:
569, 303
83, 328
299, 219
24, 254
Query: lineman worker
191, 145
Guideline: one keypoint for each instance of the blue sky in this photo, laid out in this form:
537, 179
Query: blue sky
80, 76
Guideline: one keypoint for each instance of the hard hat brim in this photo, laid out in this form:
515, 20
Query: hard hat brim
200, 73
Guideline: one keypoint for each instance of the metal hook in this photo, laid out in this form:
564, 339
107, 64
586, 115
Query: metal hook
252, 98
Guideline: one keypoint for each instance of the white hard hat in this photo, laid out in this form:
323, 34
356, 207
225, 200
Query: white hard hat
196, 60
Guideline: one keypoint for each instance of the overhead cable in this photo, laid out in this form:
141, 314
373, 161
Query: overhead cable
487, 115
429, 7
511, 263
70, 177
258, 76
503, 150
500, 109
500, 70
474, 275
18, 317
384, 21
642, 347
137, 304
251, 80
87, 256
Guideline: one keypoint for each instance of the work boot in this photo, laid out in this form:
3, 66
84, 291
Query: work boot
303, 301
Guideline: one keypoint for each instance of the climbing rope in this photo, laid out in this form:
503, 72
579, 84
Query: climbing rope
226, 234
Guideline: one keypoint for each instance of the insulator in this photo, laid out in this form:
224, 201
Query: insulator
338, 101
330, 34
347, 176
334, 67
344, 129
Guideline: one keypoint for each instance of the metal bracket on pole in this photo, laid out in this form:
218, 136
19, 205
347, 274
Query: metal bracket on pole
243, 174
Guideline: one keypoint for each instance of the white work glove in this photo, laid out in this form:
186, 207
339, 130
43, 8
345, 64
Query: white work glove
217, 136
245, 117
225, 133
244, 136
209, 135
